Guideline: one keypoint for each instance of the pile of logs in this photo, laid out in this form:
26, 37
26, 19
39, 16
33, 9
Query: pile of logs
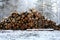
27, 20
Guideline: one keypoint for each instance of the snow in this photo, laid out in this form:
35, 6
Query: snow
29, 35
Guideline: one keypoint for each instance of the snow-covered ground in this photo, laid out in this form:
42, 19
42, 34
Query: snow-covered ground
29, 35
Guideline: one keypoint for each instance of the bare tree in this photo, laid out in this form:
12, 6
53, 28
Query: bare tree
47, 9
